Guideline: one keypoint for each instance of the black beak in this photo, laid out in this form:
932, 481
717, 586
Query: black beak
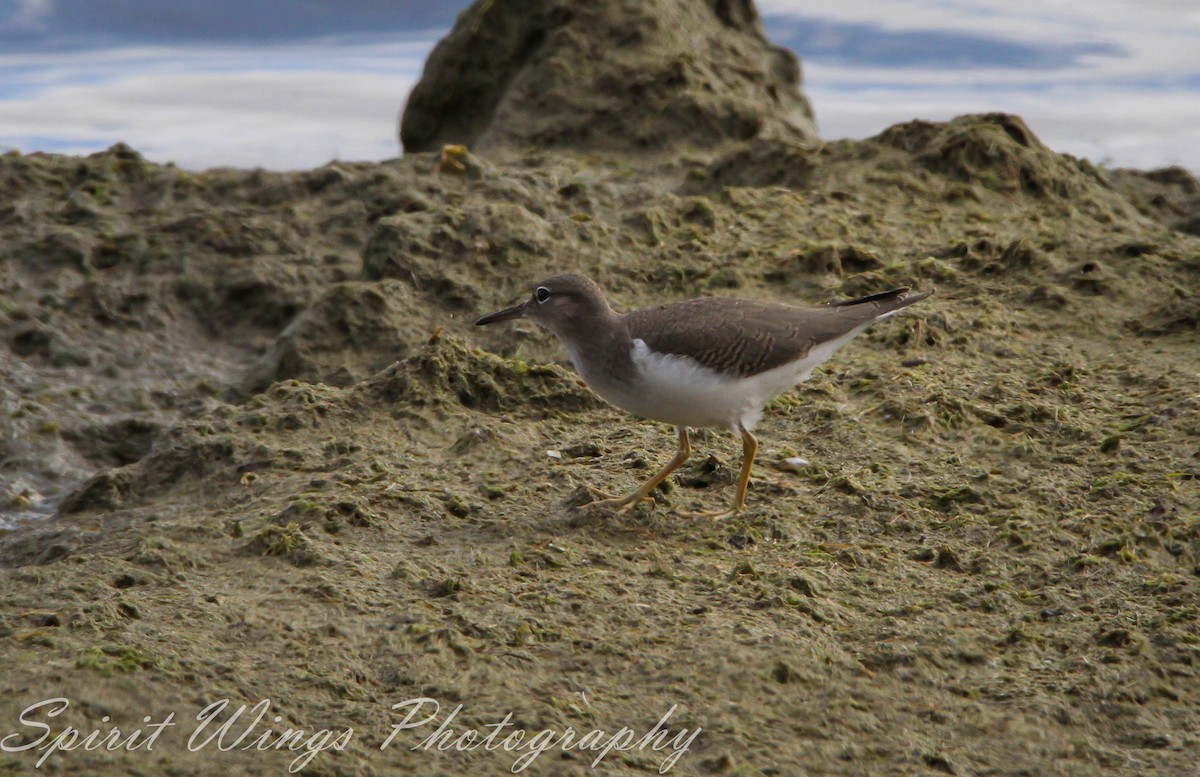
516, 311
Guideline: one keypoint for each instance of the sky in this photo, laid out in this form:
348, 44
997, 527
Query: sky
294, 84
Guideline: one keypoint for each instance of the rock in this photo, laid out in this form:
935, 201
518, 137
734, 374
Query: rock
621, 75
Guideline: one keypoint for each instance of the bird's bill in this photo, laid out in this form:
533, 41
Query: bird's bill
516, 311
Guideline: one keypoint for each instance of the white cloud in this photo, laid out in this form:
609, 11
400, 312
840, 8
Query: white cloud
245, 119
283, 108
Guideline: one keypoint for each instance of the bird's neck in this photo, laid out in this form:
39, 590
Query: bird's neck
599, 348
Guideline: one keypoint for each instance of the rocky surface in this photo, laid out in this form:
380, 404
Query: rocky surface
626, 75
253, 448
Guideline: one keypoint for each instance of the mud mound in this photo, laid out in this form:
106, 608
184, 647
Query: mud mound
132, 289
447, 369
353, 330
446, 253
121, 280
1170, 195
995, 151
621, 75
273, 431
757, 163
1178, 314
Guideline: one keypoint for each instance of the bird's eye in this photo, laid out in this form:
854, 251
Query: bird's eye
541, 294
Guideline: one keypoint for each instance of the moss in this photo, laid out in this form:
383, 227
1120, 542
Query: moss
456, 506
287, 541
109, 660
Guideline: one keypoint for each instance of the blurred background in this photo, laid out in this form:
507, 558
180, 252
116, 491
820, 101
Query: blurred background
293, 84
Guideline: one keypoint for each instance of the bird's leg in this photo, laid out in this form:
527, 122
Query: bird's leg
749, 450
642, 493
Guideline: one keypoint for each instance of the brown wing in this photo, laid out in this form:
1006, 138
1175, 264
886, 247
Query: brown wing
745, 337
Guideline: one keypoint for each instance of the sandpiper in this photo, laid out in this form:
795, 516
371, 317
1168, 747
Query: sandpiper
707, 362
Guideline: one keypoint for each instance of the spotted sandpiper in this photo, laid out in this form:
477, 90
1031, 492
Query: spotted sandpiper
707, 362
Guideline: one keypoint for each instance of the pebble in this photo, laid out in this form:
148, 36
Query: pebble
793, 464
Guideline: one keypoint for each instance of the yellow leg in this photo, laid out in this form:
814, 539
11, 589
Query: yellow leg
642, 493
749, 451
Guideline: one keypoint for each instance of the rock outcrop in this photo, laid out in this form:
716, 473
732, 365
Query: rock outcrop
619, 75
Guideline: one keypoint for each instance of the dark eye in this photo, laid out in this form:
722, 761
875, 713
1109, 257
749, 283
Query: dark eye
541, 294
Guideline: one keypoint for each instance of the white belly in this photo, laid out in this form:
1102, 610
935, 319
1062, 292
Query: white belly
679, 390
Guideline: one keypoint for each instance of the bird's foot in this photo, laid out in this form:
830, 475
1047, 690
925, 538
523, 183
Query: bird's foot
605, 501
597, 494
714, 515
618, 503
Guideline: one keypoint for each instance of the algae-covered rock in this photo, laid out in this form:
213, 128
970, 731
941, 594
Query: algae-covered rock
618, 75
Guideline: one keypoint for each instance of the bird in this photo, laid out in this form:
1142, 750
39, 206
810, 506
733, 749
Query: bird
709, 362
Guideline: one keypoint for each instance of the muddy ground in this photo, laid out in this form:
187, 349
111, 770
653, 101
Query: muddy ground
254, 449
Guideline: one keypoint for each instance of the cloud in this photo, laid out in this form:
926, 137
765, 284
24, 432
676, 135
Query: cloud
288, 107
1148, 40
250, 119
